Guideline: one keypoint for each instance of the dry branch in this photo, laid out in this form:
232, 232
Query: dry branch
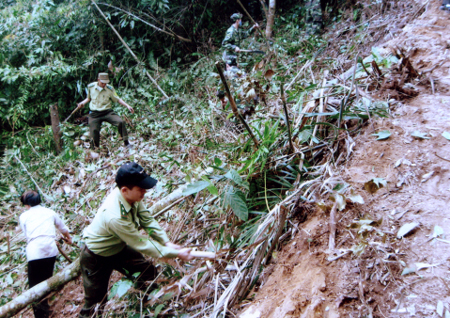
41, 290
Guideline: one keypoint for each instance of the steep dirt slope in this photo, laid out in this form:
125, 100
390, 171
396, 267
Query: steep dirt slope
308, 281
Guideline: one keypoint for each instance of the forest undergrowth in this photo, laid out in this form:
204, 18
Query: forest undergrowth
304, 101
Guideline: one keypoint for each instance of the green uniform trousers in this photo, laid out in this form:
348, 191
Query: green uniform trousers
96, 118
96, 271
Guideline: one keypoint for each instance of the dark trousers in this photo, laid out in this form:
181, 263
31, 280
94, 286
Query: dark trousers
38, 271
95, 124
96, 271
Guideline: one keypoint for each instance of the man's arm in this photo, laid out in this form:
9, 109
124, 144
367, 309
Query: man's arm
128, 233
122, 102
81, 104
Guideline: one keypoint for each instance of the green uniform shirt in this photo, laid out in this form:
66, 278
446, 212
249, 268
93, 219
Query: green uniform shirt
233, 38
117, 224
101, 97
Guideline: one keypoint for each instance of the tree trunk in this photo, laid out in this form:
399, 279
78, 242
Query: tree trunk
41, 290
270, 18
54, 115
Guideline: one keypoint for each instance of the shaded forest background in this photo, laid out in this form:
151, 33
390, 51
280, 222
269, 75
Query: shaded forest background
50, 50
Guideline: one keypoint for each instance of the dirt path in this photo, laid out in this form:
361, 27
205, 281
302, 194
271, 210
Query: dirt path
304, 283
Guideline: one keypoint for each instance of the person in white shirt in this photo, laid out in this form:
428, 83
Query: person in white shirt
38, 224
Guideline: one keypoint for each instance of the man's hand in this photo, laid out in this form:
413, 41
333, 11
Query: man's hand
185, 254
130, 109
174, 246
80, 105
237, 49
68, 239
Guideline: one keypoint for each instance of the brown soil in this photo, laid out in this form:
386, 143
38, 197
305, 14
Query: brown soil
304, 282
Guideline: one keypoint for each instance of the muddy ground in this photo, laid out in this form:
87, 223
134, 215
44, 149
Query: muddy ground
305, 281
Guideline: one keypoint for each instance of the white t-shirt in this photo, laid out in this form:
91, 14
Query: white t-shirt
38, 224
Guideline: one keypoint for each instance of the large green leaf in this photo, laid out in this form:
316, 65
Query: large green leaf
234, 175
195, 187
233, 198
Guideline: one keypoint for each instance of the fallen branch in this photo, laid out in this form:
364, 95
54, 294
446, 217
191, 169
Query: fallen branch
41, 290
332, 241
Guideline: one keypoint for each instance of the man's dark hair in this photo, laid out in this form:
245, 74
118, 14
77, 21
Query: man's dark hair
31, 198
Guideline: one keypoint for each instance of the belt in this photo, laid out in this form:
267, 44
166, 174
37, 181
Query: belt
89, 251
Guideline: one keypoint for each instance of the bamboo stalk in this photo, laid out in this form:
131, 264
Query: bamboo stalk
128, 48
233, 104
291, 145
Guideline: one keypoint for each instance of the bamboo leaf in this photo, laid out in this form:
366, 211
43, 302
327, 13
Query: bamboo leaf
381, 135
196, 187
420, 135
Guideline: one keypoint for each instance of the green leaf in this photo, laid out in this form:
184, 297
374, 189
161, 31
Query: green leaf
418, 134
217, 162
234, 176
385, 134
446, 135
195, 187
213, 190
232, 199
120, 288
166, 296
158, 310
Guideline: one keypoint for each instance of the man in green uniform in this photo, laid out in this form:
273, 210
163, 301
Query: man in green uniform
113, 240
101, 95
232, 40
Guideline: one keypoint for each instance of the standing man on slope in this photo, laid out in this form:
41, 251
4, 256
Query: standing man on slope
232, 40
113, 240
101, 95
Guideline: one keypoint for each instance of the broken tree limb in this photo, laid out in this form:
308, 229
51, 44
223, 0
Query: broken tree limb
41, 290
236, 112
129, 50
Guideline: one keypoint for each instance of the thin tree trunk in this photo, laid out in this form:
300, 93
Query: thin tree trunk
54, 115
270, 19
41, 290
